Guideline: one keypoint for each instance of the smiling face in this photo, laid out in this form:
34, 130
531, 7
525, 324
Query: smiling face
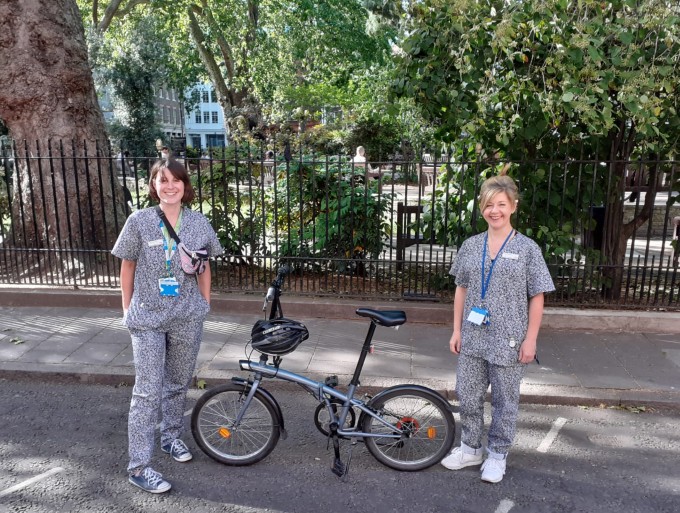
498, 211
170, 190
169, 183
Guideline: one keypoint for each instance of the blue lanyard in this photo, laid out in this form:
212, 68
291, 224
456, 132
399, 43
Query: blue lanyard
487, 278
166, 239
168, 251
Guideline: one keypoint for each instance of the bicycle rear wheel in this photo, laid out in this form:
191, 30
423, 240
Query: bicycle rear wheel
427, 425
212, 424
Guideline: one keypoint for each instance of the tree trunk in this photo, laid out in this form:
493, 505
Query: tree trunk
47, 97
616, 233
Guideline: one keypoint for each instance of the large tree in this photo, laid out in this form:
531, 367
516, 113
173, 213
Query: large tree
48, 98
257, 52
526, 76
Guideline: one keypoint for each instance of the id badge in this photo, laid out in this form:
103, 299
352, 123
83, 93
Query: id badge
169, 287
478, 316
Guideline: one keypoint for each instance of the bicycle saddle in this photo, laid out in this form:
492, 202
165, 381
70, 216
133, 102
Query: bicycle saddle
387, 318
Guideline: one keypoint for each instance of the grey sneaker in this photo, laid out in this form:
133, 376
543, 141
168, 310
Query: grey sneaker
150, 481
178, 450
493, 470
462, 457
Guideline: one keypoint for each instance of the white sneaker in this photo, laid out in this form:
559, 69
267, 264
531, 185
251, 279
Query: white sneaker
493, 470
462, 457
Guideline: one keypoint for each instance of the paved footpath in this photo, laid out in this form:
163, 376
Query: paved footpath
586, 357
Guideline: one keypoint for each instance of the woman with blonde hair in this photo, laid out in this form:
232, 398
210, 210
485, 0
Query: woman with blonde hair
501, 278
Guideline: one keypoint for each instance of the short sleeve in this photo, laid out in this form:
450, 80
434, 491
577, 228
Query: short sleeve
214, 246
538, 276
129, 243
458, 269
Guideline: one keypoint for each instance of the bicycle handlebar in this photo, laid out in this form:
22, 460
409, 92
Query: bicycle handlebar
276, 285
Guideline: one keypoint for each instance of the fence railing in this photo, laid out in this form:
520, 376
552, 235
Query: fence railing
379, 229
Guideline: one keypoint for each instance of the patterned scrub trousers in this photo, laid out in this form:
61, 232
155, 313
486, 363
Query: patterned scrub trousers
164, 364
473, 379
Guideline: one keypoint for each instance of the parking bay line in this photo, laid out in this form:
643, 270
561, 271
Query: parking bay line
29, 482
505, 506
552, 434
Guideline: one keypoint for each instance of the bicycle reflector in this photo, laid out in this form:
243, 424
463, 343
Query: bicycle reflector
224, 432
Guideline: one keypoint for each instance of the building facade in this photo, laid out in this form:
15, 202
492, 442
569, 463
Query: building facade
170, 112
204, 125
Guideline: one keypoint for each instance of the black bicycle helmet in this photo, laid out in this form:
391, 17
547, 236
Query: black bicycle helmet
277, 336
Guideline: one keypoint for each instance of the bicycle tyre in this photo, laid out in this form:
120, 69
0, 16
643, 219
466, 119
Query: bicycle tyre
426, 417
212, 425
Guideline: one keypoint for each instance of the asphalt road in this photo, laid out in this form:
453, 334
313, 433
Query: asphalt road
63, 448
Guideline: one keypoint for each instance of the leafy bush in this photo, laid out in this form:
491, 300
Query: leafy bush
331, 215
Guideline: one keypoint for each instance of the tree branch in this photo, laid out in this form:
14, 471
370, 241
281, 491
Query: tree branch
109, 13
224, 94
130, 6
95, 14
225, 49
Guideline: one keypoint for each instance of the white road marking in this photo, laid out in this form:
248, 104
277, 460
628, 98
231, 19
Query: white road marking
552, 434
188, 412
29, 482
504, 506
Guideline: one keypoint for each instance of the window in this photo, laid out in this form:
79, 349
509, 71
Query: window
165, 114
198, 116
205, 97
215, 140
214, 118
213, 96
206, 117
195, 140
160, 93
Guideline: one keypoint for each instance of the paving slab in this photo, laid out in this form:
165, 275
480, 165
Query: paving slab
89, 344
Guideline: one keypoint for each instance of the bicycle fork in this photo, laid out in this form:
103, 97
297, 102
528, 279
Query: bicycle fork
252, 387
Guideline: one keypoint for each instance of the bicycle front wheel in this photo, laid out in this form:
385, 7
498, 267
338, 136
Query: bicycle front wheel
425, 421
212, 424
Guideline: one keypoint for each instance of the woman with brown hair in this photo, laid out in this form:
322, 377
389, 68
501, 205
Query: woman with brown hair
163, 308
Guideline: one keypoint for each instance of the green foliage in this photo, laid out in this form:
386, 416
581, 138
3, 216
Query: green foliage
515, 75
551, 215
130, 66
329, 214
550, 78
379, 138
236, 213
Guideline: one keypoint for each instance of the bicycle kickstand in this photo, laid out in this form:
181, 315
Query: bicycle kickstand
338, 467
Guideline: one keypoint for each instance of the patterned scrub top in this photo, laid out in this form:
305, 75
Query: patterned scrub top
520, 273
141, 240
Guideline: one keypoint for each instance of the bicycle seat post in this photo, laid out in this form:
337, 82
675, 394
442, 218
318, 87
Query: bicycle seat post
365, 349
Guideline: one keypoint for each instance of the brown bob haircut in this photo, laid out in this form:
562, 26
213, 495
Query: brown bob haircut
178, 171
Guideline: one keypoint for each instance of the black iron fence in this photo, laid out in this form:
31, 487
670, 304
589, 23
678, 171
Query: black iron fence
382, 229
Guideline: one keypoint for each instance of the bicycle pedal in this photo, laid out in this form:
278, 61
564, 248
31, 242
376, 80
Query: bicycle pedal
338, 468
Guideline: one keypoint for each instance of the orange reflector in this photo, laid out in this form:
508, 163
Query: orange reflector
224, 432
431, 432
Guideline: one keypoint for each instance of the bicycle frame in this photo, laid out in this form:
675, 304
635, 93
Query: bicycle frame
321, 391
405, 427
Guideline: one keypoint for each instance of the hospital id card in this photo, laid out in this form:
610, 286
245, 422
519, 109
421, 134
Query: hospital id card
478, 316
169, 287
